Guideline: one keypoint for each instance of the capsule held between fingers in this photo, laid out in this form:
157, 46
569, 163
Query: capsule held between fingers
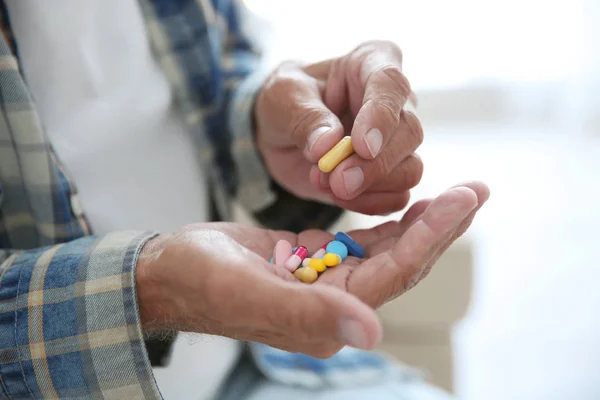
338, 153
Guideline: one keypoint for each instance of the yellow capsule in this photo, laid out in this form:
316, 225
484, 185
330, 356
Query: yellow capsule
317, 264
342, 150
306, 274
332, 259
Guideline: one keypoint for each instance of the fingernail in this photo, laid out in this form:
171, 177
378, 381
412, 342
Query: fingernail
353, 178
353, 334
374, 140
316, 134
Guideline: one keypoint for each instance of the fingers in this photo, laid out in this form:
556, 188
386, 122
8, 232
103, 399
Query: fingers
411, 215
336, 91
377, 82
483, 194
405, 175
395, 170
412, 97
392, 272
376, 203
375, 236
294, 103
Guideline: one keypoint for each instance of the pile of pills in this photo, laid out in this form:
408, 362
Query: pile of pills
331, 254
307, 269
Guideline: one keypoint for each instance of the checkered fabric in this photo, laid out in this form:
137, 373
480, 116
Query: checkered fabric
69, 321
69, 326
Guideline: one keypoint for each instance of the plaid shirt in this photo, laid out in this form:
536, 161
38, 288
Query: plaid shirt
69, 325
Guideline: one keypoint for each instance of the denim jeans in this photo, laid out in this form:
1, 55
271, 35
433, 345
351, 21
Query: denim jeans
253, 381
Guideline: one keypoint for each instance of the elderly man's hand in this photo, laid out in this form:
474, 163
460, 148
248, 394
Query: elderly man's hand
303, 111
215, 278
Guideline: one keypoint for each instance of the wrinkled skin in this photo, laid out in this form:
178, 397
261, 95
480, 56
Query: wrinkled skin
216, 278
302, 111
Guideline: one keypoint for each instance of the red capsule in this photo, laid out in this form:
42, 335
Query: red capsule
296, 258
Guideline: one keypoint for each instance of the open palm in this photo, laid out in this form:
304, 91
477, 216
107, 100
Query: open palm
398, 253
219, 280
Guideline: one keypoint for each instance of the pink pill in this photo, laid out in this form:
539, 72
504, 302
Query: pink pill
281, 252
296, 258
319, 253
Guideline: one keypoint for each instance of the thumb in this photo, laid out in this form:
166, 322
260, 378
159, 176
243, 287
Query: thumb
317, 129
291, 102
328, 314
303, 317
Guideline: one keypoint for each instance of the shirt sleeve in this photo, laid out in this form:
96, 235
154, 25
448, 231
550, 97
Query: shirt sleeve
244, 73
69, 321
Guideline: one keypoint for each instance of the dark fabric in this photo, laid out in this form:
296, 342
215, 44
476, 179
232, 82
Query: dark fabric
242, 380
293, 214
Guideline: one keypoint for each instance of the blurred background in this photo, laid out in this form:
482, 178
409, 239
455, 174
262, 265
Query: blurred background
509, 93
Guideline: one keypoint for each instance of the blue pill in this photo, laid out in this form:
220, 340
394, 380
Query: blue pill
354, 248
338, 248
271, 260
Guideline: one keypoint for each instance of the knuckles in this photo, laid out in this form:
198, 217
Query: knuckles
415, 129
280, 83
388, 103
367, 49
415, 174
287, 95
387, 109
305, 120
394, 74
382, 45
372, 46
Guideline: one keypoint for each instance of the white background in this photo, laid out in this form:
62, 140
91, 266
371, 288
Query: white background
509, 94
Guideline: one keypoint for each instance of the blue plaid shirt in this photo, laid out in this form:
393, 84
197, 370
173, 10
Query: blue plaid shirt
69, 323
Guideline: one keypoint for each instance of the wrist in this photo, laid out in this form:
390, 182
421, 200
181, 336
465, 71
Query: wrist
152, 299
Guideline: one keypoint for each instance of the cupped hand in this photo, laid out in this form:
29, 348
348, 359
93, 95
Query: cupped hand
216, 278
302, 111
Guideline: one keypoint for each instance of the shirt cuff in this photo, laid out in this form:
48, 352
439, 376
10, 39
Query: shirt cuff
69, 321
254, 191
